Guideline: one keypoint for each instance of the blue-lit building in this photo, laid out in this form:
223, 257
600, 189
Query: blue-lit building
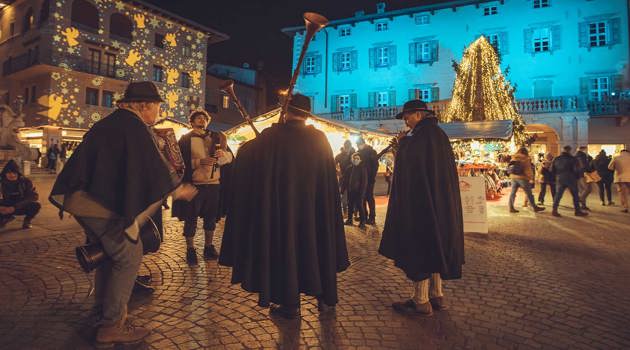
568, 60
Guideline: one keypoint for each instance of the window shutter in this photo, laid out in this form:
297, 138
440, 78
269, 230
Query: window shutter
334, 103
435, 94
615, 31
392, 98
412, 53
354, 59
303, 69
336, 60
372, 54
412, 94
371, 99
583, 34
503, 43
435, 49
318, 64
392, 55
616, 82
584, 86
556, 38
528, 36
353, 101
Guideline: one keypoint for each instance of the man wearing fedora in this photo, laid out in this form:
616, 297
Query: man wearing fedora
115, 180
423, 230
284, 231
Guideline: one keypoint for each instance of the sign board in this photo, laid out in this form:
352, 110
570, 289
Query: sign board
474, 208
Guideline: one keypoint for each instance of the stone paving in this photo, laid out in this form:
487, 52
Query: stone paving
535, 282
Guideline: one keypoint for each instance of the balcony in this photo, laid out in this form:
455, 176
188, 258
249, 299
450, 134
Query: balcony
19, 63
560, 104
84, 65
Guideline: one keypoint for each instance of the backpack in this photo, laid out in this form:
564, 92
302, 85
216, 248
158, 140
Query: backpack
515, 168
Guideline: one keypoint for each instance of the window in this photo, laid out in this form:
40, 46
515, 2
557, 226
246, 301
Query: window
12, 29
26, 99
187, 50
381, 27
541, 40
424, 51
598, 34
120, 27
159, 40
108, 99
33, 94
84, 15
423, 94
346, 61
541, 3
95, 61
599, 89
493, 39
382, 56
226, 102
91, 97
44, 13
185, 80
345, 31
29, 20
309, 65
343, 103
158, 74
490, 10
110, 65
422, 19
382, 99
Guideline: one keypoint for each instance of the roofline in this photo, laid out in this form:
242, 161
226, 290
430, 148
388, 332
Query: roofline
214, 35
401, 12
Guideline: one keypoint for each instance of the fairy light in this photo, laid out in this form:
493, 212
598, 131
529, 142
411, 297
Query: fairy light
480, 69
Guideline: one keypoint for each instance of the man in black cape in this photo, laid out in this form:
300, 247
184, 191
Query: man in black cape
115, 180
423, 231
284, 231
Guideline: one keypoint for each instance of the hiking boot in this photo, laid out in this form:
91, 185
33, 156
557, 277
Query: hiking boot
120, 333
191, 256
584, 207
209, 253
371, 221
410, 307
512, 210
141, 287
27, 223
580, 213
556, 214
438, 303
537, 209
5, 221
290, 313
348, 222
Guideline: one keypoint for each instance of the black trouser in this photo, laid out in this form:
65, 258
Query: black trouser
605, 185
560, 187
368, 201
543, 191
204, 205
52, 163
29, 210
356, 201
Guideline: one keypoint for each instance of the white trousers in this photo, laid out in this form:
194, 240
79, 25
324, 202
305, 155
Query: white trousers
429, 288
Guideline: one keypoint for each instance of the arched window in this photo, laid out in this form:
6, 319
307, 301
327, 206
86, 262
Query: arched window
84, 15
29, 20
44, 12
120, 27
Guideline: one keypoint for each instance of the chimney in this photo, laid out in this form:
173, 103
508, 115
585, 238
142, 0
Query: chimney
380, 7
359, 13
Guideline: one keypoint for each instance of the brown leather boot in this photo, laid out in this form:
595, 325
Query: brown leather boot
120, 333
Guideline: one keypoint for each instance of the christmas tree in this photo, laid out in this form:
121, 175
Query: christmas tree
481, 92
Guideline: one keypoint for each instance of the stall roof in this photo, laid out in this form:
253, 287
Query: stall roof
490, 129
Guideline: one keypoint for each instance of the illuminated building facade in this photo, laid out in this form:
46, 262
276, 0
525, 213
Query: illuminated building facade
568, 60
70, 60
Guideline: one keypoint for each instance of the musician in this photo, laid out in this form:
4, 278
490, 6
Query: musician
423, 231
284, 231
204, 154
115, 179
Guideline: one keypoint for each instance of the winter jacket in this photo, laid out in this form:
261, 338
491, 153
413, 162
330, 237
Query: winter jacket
526, 165
600, 163
565, 169
621, 165
584, 162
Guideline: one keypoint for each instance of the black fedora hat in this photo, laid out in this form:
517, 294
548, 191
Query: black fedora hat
142, 91
300, 104
413, 106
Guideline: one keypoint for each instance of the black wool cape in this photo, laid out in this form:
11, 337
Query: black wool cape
284, 232
119, 165
424, 230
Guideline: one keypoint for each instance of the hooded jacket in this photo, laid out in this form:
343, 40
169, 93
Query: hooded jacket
16, 193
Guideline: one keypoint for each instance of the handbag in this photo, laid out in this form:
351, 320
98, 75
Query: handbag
592, 176
91, 256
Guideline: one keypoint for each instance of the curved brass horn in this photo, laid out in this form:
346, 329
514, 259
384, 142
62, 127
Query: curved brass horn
313, 22
227, 87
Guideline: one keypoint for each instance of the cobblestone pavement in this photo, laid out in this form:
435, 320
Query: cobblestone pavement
535, 282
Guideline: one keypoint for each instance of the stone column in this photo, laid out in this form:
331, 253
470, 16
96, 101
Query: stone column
582, 128
568, 135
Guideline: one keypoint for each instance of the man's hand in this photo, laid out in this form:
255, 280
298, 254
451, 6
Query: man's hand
185, 192
219, 153
208, 161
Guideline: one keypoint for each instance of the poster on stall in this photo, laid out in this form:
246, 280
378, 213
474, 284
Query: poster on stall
473, 192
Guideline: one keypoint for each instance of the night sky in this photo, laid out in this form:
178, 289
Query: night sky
254, 27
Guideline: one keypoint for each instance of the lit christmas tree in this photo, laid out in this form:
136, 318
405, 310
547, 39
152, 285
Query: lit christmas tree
481, 92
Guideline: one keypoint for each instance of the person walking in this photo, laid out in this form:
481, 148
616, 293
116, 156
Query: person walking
565, 168
424, 228
368, 157
204, 154
546, 179
522, 175
621, 166
355, 183
600, 164
584, 166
